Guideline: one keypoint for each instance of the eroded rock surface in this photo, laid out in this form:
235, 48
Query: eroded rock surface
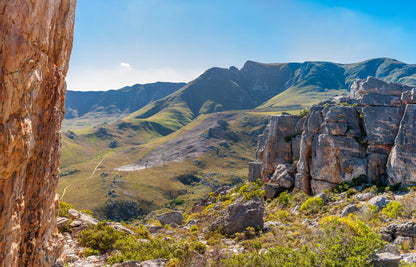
367, 135
36, 42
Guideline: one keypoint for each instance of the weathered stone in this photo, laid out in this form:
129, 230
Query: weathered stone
303, 182
275, 145
378, 201
385, 259
373, 139
372, 85
341, 120
390, 249
337, 158
365, 196
36, 42
119, 227
408, 97
402, 240
254, 171
240, 215
404, 229
318, 186
382, 124
283, 176
401, 164
61, 222
349, 209
173, 218
272, 190
409, 257
381, 100
376, 166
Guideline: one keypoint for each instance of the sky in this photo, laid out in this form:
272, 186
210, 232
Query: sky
119, 43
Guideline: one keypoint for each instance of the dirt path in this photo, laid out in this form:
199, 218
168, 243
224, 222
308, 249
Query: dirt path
63, 194
96, 167
92, 174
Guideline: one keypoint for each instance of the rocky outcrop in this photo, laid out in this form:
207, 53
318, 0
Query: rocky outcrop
278, 152
367, 135
36, 43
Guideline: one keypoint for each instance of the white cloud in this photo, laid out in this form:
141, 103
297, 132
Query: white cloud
125, 65
100, 79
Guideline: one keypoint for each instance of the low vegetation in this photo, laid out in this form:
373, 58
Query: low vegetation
299, 231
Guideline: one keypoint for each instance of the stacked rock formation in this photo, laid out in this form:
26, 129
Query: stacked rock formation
36, 42
369, 134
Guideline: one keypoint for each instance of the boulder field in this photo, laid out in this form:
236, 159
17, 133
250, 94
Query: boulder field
369, 135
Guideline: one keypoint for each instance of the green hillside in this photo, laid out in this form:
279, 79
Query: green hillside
197, 138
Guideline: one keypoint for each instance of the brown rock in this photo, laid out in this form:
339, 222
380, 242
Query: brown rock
36, 43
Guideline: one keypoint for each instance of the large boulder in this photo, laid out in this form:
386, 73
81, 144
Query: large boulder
240, 215
385, 259
173, 218
372, 85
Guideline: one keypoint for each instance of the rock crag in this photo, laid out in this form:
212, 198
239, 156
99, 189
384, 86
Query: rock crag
36, 42
368, 134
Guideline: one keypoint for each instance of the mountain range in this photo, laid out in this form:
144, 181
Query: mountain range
212, 122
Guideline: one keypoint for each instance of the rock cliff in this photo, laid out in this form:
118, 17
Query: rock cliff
36, 42
369, 134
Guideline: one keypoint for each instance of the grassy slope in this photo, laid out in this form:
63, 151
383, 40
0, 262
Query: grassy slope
172, 116
157, 185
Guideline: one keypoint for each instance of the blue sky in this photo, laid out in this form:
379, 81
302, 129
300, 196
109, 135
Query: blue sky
123, 42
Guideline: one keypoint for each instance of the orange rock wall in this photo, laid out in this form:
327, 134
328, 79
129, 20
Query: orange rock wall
35, 46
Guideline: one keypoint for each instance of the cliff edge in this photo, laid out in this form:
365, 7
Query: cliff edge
36, 42
368, 135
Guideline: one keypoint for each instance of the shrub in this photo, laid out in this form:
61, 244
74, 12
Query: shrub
305, 112
282, 215
63, 209
101, 237
340, 242
393, 209
90, 252
312, 206
142, 232
346, 242
283, 198
199, 247
193, 228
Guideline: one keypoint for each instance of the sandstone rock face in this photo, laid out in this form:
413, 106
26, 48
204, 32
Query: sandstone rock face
36, 43
369, 134
275, 149
401, 165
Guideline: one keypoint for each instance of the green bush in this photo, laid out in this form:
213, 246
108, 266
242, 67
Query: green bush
340, 242
312, 206
393, 210
305, 112
142, 232
63, 209
101, 237
283, 198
